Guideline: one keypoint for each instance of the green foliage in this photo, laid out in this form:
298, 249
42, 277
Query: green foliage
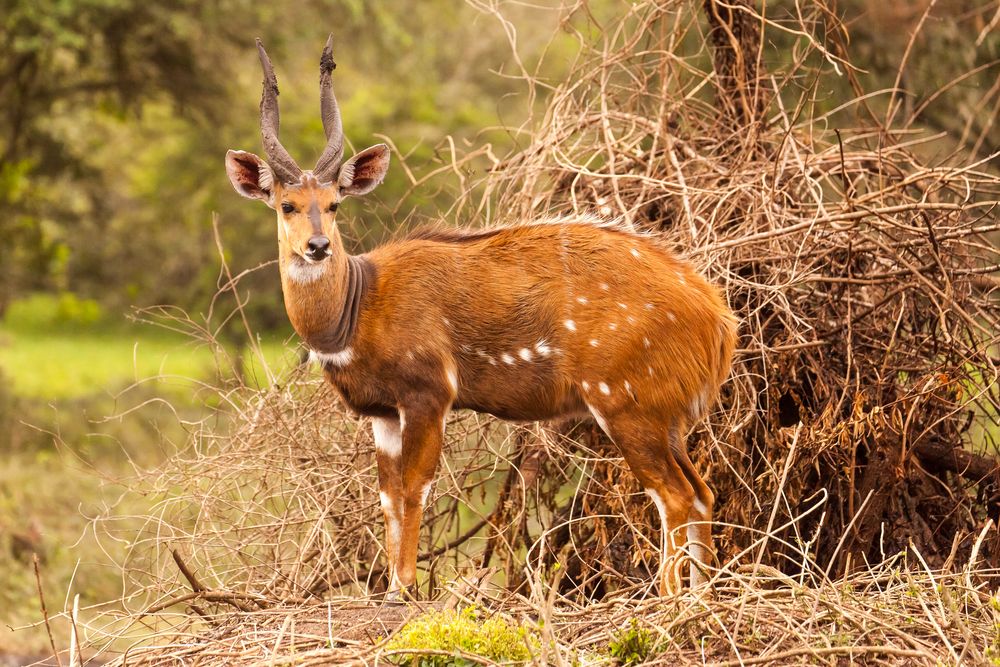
633, 644
450, 634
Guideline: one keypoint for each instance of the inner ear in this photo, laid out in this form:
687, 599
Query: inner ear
363, 172
250, 175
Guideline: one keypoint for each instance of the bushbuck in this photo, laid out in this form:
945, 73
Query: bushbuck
535, 321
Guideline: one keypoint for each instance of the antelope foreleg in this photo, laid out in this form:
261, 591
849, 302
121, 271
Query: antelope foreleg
405, 488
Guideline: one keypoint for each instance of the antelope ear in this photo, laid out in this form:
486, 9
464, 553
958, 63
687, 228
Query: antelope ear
250, 175
363, 172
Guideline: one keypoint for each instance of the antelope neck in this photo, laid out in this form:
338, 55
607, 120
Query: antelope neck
333, 316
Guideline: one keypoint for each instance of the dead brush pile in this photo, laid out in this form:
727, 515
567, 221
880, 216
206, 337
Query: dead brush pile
851, 455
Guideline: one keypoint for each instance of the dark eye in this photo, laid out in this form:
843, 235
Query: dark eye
333, 207
287, 208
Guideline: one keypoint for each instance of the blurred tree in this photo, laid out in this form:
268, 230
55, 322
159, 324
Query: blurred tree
120, 112
61, 60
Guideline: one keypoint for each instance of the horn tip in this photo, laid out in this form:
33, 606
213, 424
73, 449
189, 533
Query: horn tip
326, 62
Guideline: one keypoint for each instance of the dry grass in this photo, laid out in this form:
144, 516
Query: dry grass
865, 277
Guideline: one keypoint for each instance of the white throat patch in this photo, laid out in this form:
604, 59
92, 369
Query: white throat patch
304, 273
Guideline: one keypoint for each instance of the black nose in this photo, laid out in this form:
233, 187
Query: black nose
318, 247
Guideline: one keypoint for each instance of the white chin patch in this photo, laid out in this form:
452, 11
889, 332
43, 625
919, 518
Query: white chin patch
302, 272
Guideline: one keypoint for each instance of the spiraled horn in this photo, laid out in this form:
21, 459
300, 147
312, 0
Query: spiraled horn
329, 162
280, 161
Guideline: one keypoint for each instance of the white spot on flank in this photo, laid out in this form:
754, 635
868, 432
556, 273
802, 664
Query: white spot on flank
582, 300
570, 324
446, 321
301, 272
648, 343
631, 320
671, 316
542, 348
425, 493
622, 305
628, 387
605, 389
604, 286
613, 326
680, 278
635, 253
649, 306
585, 385
507, 359
388, 434
338, 359
525, 354
650, 369
593, 342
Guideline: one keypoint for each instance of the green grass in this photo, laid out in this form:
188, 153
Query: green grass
461, 639
63, 364
54, 348
50, 519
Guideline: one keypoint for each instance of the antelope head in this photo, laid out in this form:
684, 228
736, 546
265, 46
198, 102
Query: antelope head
306, 202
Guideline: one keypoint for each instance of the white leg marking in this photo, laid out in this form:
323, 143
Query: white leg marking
698, 551
338, 359
394, 530
699, 508
386, 500
425, 493
664, 526
388, 434
600, 420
